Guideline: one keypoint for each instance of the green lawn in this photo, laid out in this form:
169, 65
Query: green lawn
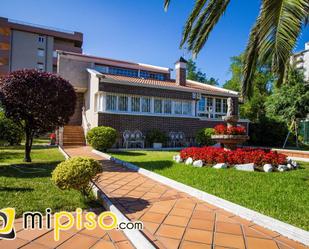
284, 196
28, 186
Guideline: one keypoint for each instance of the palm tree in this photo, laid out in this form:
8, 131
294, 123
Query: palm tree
272, 37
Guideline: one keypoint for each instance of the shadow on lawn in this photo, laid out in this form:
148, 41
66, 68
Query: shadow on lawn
128, 153
162, 164
9, 189
32, 170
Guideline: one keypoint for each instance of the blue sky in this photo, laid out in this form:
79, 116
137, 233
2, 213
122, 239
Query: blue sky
140, 30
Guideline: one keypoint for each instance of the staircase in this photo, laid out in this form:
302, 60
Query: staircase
73, 135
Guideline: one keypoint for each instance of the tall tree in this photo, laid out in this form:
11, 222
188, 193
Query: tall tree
37, 101
193, 73
255, 108
290, 102
272, 38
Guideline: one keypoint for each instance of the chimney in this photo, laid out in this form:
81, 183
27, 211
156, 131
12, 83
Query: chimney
180, 69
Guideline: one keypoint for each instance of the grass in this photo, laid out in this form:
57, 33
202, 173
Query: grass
284, 195
28, 186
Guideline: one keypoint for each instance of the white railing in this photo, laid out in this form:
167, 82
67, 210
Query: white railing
85, 124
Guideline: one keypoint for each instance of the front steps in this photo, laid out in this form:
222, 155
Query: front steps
73, 135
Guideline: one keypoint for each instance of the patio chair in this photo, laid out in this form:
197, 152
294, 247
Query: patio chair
136, 137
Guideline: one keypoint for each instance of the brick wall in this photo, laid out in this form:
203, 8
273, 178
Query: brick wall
146, 123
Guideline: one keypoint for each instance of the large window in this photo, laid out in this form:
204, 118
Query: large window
150, 75
135, 104
123, 71
123, 103
111, 103
142, 104
167, 106
41, 52
158, 106
178, 107
186, 108
146, 104
212, 107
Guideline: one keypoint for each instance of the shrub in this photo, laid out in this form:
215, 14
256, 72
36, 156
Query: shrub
156, 136
75, 173
10, 132
211, 155
203, 136
102, 137
267, 133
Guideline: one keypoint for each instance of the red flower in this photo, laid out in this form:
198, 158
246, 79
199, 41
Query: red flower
211, 155
234, 130
52, 136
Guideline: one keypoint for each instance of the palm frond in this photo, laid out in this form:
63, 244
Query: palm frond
166, 4
280, 24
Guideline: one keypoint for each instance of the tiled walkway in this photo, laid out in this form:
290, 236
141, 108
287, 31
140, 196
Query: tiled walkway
70, 239
173, 219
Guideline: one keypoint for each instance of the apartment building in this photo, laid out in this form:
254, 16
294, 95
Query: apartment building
24, 45
301, 61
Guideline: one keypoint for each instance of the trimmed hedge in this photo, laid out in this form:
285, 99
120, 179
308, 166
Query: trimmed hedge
76, 173
102, 137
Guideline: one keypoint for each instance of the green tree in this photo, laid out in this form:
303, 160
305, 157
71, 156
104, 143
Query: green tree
291, 101
193, 73
254, 108
272, 37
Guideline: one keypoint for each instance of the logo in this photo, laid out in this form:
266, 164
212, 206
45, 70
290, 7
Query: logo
7, 217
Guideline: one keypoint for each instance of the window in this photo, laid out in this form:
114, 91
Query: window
201, 104
209, 106
145, 104
135, 104
224, 105
178, 107
186, 108
123, 71
123, 103
218, 105
158, 106
111, 102
55, 54
40, 67
101, 68
41, 52
167, 106
151, 75
41, 39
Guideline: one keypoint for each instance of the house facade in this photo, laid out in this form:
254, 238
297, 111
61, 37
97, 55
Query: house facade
135, 96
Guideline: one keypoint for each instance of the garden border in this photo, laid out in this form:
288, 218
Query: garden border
285, 229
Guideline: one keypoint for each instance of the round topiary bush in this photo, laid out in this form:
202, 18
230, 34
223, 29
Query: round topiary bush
10, 132
76, 173
102, 137
203, 136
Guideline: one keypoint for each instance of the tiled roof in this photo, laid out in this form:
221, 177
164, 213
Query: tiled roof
190, 85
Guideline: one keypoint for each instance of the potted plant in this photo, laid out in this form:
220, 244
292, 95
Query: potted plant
156, 138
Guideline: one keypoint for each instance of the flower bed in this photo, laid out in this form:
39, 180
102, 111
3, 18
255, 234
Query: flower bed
212, 155
234, 130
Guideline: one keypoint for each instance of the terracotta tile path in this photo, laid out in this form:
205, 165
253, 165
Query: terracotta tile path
70, 239
173, 219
